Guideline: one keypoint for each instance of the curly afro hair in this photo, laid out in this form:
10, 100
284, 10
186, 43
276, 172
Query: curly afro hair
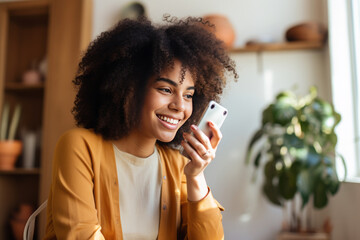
114, 72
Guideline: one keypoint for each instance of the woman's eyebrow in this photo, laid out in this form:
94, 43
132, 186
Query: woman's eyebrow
167, 80
171, 82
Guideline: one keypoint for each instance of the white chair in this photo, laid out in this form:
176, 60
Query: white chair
30, 224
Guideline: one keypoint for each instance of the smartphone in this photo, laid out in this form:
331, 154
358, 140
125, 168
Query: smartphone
214, 112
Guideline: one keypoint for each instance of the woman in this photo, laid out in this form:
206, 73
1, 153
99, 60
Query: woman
141, 89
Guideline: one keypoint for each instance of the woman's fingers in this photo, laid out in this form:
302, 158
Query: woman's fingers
193, 145
201, 137
214, 140
198, 163
194, 153
200, 149
201, 143
217, 135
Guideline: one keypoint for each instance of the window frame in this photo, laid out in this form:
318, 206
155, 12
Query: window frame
344, 46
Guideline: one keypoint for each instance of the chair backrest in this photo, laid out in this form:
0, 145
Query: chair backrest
30, 224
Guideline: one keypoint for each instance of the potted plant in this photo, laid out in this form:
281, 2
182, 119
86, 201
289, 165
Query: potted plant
296, 147
10, 148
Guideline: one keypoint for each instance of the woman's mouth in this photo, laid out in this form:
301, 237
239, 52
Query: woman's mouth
171, 122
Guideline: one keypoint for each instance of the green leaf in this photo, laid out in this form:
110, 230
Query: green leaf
272, 193
326, 108
337, 118
305, 185
4, 121
291, 140
313, 92
300, 154
328, 124
296, 167
344, 164
333, 182
253, 140
270, 170
267, 116
14, 122
320, 195
283, 113
257, 159
313, 158
332, 139
288, 96
287, 184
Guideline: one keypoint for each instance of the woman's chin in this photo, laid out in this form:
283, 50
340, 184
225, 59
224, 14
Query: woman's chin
166, 138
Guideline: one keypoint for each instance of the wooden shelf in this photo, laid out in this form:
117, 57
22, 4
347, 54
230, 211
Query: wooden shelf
21, 171
29, 32
278, 47
16, 86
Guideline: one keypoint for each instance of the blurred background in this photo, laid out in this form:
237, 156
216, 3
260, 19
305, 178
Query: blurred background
277, 45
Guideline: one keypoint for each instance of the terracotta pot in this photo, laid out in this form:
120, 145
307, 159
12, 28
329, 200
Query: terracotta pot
31, 77
19, 220
223, 29
9, 152
307, 32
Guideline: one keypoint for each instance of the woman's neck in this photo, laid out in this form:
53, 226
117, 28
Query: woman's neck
136, 145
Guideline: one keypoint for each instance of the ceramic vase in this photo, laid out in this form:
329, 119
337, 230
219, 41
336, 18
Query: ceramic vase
19, 219
9, 153
223, 29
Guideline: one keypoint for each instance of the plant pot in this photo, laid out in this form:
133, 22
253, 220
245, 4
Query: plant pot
310, 32
223, 28
303, 236
9, 152
19, 219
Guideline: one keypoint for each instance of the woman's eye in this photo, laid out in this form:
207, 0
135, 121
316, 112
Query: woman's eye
188, 96
165, 90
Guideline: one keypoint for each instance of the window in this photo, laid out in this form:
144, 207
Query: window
344, 44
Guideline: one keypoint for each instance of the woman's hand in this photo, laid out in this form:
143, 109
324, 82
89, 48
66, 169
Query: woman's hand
201, 151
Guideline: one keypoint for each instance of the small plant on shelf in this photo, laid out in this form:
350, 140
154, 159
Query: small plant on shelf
10, 148
296, 143
8, 132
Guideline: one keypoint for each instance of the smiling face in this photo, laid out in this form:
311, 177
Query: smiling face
167, 104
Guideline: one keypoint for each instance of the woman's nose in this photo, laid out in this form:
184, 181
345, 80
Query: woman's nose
177, 103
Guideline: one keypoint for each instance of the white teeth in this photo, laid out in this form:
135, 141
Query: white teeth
169, 120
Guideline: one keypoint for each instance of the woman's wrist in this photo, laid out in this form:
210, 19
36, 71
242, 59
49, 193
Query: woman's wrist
196, 187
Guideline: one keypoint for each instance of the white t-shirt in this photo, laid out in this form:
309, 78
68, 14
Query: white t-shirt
139, 192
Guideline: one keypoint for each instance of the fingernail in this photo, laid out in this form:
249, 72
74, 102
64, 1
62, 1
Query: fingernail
210, 124
193, 127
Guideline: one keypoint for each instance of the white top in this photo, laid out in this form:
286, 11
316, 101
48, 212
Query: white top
139, 190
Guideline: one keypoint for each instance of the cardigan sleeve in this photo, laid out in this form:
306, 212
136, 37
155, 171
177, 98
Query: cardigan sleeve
201, 219
74, 215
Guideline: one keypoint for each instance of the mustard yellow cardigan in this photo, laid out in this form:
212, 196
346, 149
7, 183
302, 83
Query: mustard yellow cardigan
84, 196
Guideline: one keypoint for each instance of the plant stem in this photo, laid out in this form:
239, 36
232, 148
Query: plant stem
4, 122
14, 122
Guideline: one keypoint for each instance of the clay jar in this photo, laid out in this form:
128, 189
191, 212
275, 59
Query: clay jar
31, 77
19, 219
9, 152
223, 29
310, 32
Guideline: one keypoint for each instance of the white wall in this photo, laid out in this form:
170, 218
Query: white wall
248, 215
251, 19
345, 211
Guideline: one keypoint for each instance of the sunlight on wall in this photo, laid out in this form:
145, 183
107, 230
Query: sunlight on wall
268, 85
